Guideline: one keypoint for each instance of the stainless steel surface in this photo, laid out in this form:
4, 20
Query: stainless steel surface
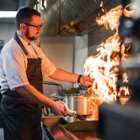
84, 130
81, 125
52, 129
80, 104
60, 133
73, 19
70, 119
58, 128
52, 121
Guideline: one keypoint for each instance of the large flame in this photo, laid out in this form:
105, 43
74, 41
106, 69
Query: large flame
103, 67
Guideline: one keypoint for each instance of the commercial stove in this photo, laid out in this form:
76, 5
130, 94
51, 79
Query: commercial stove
69, 128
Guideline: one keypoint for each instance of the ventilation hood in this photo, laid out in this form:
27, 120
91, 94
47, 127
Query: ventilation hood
62, 17
73, 17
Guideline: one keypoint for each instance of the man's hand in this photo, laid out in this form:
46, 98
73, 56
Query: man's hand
86, 81
58, 109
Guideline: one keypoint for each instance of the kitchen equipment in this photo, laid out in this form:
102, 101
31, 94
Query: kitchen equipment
127, 127
69, 112
80, 103
57, 128
72, 112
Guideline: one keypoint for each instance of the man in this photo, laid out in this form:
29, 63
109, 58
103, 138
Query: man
22, 65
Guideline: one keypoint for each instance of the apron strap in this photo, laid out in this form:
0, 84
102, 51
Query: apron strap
20, 43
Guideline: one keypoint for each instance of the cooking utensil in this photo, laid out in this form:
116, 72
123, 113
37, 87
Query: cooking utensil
80, 103
45, 111
69, 112
72, 113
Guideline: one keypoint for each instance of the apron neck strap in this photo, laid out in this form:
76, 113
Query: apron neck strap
20, 43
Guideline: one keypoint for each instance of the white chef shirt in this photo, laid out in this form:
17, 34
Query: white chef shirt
13, 64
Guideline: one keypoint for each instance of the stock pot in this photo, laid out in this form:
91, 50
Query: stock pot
80, 104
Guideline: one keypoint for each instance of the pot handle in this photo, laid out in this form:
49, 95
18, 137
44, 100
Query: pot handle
69, 112
45, 111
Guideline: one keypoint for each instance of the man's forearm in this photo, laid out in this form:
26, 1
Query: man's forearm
29, 92
62, 75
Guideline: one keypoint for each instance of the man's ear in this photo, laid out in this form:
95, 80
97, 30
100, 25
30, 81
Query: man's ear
22, 26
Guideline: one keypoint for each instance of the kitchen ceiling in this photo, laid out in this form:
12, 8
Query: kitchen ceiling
62, 17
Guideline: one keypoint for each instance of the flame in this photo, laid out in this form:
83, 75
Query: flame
111, 18
103, 67
123, 91
101, 4
125, 78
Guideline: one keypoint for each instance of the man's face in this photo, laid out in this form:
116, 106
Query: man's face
33, 28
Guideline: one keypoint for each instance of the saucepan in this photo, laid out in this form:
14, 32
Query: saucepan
80, 103
72, 113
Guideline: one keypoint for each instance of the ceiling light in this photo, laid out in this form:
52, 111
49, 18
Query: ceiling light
8, 14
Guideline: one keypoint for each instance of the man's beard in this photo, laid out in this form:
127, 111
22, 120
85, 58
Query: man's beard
31, 38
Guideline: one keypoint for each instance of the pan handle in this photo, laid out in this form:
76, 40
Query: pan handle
45, 111
69, 112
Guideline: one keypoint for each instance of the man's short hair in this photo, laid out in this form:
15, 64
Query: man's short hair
24, 15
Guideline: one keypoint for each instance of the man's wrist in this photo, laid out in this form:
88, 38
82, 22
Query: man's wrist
79, 77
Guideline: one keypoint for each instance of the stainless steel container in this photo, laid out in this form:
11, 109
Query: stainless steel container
66, 100
80, 104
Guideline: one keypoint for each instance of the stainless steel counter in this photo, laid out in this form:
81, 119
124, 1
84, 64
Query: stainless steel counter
69, 128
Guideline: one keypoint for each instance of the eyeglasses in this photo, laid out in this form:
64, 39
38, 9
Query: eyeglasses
37, 27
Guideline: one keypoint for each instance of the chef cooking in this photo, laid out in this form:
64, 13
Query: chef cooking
22, 65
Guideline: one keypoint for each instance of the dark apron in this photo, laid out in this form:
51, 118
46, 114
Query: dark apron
21, 116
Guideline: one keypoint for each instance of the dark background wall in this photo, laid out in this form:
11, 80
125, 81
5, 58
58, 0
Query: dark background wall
95, 38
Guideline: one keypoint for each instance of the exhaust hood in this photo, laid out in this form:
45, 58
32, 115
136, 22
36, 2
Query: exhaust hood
72, 17
62, 17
